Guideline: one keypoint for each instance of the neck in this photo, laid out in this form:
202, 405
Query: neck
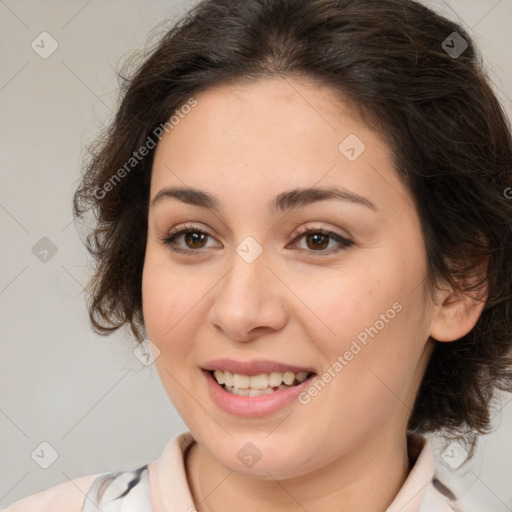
368, 478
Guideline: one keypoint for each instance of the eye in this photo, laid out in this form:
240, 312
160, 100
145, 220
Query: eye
193, 237
317, 240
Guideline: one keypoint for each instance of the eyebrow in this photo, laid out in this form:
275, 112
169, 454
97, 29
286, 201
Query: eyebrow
288, 200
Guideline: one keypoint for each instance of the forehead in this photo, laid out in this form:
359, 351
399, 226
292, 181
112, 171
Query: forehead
253, 113
275, 134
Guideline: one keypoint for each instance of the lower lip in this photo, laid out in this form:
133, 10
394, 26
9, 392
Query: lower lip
253, 406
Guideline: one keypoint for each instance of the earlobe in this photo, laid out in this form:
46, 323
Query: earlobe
457, 313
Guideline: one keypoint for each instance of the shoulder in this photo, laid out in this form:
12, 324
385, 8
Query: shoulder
438, 498
422, 490
123, 490
118, 490
105, 491
67, 496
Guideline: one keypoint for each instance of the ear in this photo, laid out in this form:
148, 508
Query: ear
455, 312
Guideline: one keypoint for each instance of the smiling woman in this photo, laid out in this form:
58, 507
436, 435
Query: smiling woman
320, 251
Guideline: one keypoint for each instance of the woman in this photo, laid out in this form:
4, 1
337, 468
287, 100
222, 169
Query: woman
301, 204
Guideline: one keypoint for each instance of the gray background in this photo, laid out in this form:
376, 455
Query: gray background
89, 397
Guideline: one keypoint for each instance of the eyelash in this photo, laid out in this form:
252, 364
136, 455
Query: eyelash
345, 243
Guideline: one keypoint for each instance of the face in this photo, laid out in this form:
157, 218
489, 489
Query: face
327, 287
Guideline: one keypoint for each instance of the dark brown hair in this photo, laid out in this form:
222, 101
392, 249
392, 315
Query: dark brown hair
394, 61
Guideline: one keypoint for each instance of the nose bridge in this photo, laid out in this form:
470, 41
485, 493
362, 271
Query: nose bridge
247, 297
248, 273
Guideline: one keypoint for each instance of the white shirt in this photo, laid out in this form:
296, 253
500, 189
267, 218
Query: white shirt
161, 486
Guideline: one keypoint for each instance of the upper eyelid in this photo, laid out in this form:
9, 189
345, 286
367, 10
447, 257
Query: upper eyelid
177, 232
321, 230
301, 231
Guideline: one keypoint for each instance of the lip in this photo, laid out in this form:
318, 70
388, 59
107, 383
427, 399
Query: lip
253, 406
255, 367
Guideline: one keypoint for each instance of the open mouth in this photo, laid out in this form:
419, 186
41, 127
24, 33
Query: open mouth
257, 385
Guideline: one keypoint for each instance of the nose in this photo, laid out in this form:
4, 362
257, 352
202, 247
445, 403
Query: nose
248, 302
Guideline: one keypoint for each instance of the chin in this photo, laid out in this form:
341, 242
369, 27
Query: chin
254, 457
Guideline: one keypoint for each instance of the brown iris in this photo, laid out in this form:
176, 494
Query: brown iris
195, 238
319, 240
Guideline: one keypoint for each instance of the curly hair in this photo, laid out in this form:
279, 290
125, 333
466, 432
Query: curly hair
450, 139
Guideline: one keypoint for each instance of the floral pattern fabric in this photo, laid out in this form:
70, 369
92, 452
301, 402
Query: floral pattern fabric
124, 491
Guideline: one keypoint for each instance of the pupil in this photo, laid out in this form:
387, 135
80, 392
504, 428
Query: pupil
316, 238
194, 237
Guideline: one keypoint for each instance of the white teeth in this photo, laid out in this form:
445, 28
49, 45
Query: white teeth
219, 376
241, 381
258, 382
301, 376
275, 378
288, 378
253, 392
240, 392
228, 378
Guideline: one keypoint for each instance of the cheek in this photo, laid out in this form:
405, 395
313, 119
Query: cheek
157, 302
175, 307
166, 293
341, 305
163, 300
370, 315
170, 319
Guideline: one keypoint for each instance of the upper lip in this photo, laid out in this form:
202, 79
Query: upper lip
255, 367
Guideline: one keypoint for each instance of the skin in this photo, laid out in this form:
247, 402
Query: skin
346, 449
